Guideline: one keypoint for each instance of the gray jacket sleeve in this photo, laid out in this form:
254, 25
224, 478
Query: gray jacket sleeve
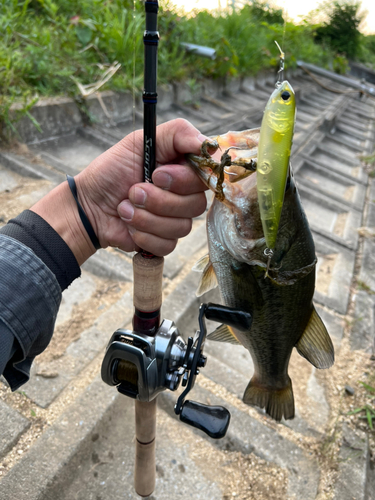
30, 297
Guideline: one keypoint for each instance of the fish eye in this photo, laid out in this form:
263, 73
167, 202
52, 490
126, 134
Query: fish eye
285, 95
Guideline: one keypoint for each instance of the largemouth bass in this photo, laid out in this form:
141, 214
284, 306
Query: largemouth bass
281, 304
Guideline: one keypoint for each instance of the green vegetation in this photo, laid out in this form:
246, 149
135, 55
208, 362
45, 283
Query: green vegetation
59, 47
340, 31
367, 411
361, 285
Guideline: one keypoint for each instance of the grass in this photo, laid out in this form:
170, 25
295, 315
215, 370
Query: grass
361, 285
369, 160
52, 47
367, 411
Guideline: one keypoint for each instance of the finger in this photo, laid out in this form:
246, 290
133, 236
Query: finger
166, 203
116, 234
174, 138
180, 179
164, 227
177, 137
152, 243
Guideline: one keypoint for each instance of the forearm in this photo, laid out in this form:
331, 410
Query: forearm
40, 252
30, 296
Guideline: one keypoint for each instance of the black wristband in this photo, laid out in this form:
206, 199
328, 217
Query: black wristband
85, 221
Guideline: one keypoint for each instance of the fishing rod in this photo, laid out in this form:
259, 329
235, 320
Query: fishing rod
147, 268
154, 357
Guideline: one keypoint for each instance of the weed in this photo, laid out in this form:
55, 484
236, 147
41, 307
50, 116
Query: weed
368, 410
54, 47
369, 160
361, 285
369, 414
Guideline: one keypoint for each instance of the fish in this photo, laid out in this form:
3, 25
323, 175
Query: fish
281, 306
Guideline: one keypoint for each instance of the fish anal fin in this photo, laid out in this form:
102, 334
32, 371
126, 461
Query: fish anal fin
223, 333
315, 344
208, 280
278, 402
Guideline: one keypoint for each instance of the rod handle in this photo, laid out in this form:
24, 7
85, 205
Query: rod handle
145, 431
148, 282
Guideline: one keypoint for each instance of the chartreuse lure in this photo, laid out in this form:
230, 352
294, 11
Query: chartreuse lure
275, 144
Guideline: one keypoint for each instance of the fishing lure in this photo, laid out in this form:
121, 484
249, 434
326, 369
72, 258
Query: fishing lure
275, 144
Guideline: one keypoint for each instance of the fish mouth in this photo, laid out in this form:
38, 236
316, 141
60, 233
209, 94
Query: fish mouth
225, 160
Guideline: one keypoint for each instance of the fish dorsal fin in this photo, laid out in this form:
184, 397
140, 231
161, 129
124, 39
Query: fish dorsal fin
223, 333
315, 344
208, 279
200, 265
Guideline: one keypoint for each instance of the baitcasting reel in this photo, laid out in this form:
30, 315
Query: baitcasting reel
141, 366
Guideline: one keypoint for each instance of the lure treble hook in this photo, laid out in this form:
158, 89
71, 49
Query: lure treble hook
280, 73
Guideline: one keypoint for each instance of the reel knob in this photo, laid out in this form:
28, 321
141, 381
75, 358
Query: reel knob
213, 420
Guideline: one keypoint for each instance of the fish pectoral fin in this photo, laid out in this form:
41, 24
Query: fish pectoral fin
208, 279
223, 333
315, 344
277, 401
200, 265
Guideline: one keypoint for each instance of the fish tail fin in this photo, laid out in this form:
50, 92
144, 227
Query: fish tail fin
278, 402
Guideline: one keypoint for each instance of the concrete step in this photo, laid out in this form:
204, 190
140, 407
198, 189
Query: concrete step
68, 436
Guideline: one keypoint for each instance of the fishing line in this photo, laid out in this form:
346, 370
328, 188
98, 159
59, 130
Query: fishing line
284, 31
134, 44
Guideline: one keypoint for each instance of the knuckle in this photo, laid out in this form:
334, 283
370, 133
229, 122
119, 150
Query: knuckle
169, 246
181, 123
185, 227
201, 204
140, 219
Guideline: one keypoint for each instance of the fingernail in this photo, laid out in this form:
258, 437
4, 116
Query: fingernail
131, 230
202, 138
126, 211
139, 197
162, 180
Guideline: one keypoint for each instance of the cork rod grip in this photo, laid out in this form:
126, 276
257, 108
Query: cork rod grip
148, 282
145, 430
148, 279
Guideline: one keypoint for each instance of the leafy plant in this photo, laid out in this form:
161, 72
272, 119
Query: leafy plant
48, 47
340, 64
264, 12
341, 31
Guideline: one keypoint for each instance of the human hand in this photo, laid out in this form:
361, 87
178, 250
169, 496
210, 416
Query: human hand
125, 212
130, 214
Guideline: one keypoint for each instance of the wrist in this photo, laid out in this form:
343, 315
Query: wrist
60, 210
82, 214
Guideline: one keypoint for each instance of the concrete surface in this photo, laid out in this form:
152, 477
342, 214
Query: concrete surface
67, 436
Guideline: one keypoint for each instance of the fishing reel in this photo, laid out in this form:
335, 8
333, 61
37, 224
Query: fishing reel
141, 366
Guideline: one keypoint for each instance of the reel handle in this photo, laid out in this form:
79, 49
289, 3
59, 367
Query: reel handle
213, 420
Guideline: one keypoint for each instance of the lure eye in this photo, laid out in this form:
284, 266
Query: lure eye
285, 95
